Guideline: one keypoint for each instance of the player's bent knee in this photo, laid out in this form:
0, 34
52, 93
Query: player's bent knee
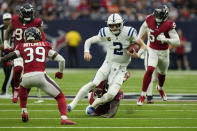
110, 96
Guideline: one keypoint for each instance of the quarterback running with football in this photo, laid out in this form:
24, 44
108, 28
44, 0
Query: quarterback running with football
161, 33
18, 25
117, 39
34, 53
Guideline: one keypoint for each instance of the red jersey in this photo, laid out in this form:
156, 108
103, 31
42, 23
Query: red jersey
155, 30
19, 28
34, 55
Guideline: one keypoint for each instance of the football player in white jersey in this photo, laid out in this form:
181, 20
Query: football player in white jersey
117, 39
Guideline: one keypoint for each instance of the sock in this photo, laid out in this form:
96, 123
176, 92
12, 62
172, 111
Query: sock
143, 93
81, 94
23, 97
24, 110
161, 79
147, 78
17, 75
149, 90
61, 103
64, 117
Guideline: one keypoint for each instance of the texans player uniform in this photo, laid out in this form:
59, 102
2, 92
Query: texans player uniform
116, 60
161, 32
18, 25
108, 109
34, 53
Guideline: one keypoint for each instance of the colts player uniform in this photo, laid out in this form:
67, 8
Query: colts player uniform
18, 25
161, 32
34, 53
117, 39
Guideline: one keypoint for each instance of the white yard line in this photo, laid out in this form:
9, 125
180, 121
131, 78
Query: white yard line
42, 104
89, 118
118, 110
99, 127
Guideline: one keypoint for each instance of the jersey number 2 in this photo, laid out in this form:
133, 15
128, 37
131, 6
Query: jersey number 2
39, 51
118, 51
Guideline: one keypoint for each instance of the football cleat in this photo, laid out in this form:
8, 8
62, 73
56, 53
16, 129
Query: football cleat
141, 100
67, 122
150, 100
69, 108
15, 95
90, 110
25, 117
162, 94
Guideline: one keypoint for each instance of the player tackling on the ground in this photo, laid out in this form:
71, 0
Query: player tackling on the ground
34, 53
117, 39
161, 32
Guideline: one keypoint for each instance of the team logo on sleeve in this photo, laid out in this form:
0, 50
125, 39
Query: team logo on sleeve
108, 38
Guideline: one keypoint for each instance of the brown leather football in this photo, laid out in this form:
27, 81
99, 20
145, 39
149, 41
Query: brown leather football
133, 46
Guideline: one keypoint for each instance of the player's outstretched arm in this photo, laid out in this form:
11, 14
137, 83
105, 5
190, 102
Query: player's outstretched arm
10, 56
8, 35
57, 57
87, 45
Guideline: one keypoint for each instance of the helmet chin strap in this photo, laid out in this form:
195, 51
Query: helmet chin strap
27, 19
158, 20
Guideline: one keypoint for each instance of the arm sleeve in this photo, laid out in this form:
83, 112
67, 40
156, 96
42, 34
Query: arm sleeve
90, 41
174, 38
143, 30
57, 57
17, 53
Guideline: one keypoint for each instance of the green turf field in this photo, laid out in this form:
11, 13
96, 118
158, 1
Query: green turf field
161, 116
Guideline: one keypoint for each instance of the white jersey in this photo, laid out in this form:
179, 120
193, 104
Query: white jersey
117, 45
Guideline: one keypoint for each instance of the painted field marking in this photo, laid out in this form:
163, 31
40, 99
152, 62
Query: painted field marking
145, 118
2, 104
118, 110
47, 127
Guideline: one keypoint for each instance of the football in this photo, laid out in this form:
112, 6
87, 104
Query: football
133, 46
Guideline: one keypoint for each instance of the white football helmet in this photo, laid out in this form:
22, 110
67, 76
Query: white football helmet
115, 23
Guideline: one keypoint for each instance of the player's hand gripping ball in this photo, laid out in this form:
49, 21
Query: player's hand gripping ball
133, 46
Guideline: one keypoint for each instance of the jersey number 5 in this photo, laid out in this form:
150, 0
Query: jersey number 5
39, 51
118, 51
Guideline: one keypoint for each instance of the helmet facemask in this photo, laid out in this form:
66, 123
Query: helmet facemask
115, 23
161, 14
27, 12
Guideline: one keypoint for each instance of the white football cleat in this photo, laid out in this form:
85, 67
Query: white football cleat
90, 110
141, 100
162, 94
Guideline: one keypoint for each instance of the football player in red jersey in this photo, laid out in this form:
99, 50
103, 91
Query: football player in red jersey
34, 53
110, 108
161, 33
18, 25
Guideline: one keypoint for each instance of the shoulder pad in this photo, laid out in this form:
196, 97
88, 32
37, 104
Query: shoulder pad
102, 32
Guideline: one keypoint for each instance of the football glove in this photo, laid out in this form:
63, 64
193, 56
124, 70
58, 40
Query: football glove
161, 37
59, 75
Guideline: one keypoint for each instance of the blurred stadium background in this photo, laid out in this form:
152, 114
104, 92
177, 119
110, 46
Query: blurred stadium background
88, 16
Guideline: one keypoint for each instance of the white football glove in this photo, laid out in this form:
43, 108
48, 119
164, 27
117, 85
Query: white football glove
6, 45
161, 37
